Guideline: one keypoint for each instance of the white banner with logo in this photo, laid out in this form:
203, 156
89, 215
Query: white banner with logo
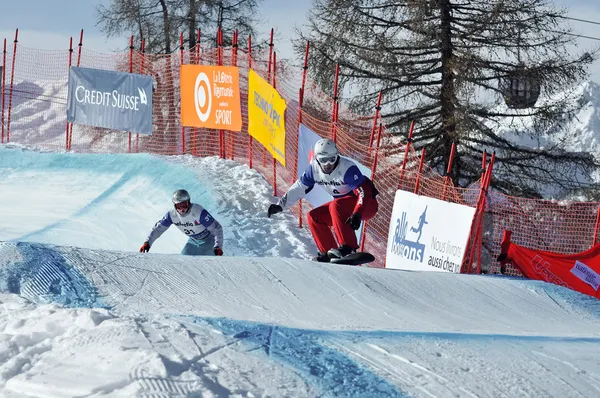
427, 234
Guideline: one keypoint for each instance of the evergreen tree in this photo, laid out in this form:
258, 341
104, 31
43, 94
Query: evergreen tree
440, 62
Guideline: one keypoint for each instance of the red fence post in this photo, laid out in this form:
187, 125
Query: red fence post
69, 71
181, 48
79, 46
335, 105
448, 170
130, 71
274, 83
142, 66
597, 226
269, 66
300, 103
220, 62
249, 67
197, 62
406, 149
12, 79
375, 119
479, 209
234, 54
3, 85
418, 181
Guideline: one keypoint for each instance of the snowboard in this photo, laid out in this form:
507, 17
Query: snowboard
357, 258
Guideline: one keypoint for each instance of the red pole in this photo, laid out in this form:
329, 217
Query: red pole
334, 109
249, 68
80, 45
198, 46
373, 170
220, 62
375, 119
482, 210
269, 64
12, 79
483, 164
300, 102
234, 50
130, 71
596, 227
67, 135
142, 70
406, 149
3, 85
448, 170
269, 78
197, 62
197, 56
181, 48
418, 182
274, 83
480, 207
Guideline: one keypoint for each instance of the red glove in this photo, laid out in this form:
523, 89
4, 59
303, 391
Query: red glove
218, 251
145, 247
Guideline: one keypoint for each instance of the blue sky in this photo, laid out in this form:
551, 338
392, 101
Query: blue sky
49, 24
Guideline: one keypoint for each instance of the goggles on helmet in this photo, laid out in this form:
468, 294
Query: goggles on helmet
324, 160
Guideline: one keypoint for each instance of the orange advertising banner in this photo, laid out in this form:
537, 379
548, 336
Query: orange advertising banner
210, 97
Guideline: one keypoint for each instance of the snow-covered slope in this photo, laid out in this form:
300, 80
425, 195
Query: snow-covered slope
83, 313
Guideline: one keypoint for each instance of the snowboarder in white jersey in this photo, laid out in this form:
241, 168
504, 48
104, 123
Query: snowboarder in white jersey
354, 199
204, 232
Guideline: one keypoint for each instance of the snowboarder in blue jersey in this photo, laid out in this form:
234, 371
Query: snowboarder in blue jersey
354, 200
204, 232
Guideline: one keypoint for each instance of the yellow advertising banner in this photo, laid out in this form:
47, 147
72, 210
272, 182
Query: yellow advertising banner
210, 97
266, 116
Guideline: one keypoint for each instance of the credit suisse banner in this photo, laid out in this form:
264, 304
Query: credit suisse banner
266, 116
210, 97
427, 234
109, 99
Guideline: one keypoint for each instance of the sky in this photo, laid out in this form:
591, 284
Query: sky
83, 313
49, 24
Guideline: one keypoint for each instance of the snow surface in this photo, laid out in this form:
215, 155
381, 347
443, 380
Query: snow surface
84, 314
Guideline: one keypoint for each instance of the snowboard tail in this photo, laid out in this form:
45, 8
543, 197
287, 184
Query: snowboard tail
357, 258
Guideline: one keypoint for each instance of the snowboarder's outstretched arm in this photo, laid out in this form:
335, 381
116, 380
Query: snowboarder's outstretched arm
158, 229
297, 191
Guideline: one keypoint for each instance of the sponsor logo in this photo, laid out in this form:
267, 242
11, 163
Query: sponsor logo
408, 249
322, 182
184, 224
112, 99
268, 108
586, 274
542, 268
202, 97
210, 97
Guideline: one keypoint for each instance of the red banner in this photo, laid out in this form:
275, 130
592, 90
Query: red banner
580, 272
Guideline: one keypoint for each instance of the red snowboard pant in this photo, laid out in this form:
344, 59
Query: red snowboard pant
334, 214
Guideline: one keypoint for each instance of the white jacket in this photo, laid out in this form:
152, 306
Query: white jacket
197, 224
342, 181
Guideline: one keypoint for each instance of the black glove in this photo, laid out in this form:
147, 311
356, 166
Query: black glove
145, 248
218, 251
354, 221
274, 209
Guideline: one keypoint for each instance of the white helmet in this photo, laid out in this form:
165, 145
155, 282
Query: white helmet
181, 201
326, 154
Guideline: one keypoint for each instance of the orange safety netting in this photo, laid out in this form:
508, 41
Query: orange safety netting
34, 113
